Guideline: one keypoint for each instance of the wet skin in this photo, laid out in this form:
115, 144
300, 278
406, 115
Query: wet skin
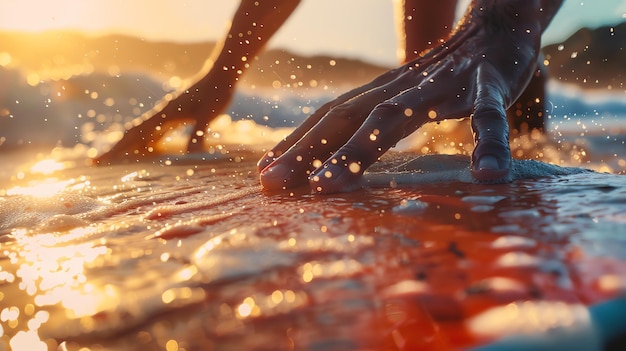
479, 71
253, 24
210, 94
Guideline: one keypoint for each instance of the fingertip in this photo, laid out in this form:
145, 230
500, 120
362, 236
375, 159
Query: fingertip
330, 179
281, 176
487, 162
491, 160
265, 161
274, 176
488, 168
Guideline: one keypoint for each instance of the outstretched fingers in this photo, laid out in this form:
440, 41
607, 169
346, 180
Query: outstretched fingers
382, 128
293, 167
388, 122
322, 136
322, 112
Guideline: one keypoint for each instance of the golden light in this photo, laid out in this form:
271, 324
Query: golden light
248, 308
5, 58
47, 166
45, 188
529, 317
37, 15
52, 269
89, 300
55, 273
186, 273
28, 340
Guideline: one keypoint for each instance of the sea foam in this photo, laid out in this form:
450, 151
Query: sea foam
456, 168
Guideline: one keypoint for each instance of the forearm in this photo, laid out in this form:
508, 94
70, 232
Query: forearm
253, 24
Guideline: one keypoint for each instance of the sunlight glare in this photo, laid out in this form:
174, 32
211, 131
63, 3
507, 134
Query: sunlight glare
88, 301
28, 340
45, 188
56, 274
528, 317
5, 59
47, 166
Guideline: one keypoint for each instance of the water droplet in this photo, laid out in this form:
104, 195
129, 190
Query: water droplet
374, 134
354, 167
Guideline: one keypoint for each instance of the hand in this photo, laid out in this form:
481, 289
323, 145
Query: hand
478, 72
207, 98
196, 106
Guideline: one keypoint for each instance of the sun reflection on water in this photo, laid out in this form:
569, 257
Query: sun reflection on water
56, 274
53, 273
42, 188
46, 187
47, 166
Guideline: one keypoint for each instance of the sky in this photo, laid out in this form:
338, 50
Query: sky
348, 28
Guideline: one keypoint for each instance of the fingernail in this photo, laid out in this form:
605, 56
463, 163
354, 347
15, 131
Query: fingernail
333, 179
282, 176
488, 162
266, 161
277, 171
488, 169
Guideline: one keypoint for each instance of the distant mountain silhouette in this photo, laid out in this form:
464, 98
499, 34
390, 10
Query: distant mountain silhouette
57, 87
73, 51
590, 58
60, 54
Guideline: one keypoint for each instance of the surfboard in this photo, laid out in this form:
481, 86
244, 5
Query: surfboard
191, 253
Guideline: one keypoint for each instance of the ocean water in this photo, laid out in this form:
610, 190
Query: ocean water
189, 252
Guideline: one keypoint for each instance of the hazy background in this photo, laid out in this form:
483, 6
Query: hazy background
76, 71
317, 26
